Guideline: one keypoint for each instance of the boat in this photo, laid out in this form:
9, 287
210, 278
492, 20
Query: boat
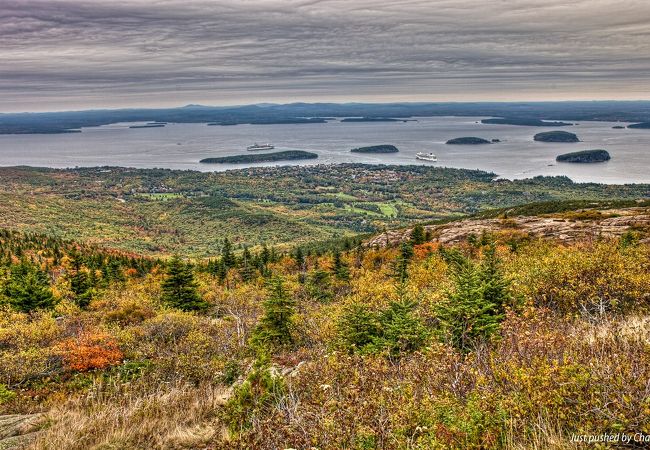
426, 157
257, 146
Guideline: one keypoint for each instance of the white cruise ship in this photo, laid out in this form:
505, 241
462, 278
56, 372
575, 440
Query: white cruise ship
426, 157
257, 146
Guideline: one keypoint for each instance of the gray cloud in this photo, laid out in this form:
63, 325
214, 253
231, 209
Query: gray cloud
73, 53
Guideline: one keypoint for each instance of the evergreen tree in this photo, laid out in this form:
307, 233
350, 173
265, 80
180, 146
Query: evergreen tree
401, 330
319, 285
227, 255
28, 288
472, 312
274, 329
80, 283
358, 328
417, 235
179, 289
340, 268
401, 267
246, 269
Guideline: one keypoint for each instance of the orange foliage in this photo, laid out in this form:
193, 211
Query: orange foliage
423, 250
90, 351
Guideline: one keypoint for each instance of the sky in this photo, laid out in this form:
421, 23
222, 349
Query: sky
75, 54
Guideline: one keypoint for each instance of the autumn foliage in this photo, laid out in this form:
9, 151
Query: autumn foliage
90, 351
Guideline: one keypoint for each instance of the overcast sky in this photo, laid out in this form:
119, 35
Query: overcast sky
59, 55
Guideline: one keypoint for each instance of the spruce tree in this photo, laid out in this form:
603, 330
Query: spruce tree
28, 288
340, 268
179, 289
471, 313
227, 255
402, 263
417, 235
80, 283
319, 285
274, 328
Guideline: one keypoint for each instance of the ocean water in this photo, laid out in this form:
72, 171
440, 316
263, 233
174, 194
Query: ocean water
181, 146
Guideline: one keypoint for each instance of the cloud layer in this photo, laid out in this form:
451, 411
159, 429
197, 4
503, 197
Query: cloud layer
77, 54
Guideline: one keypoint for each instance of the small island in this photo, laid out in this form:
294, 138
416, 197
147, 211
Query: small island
642, 125
585, 156
289, 155
618, 127
524, 122
376, 149
556, 136
469, 140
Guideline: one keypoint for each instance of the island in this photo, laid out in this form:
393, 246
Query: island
524, 122
289, 155
222, 124
149, 125
585, 156
373, 119
468, 140
642, 125
556, 136
376, 149
618, 127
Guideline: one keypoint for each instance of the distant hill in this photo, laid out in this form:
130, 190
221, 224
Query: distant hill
556, 136
261, 157
376, 149
61, 122
468, 141
585, 156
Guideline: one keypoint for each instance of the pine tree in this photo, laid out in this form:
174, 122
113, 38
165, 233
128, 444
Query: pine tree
80, 283
179, 289
401, 330
358, 328
319, 286
417, 235
274, 328
340, 268
227, 255
470, 314
246, 269
402, 263
28, 288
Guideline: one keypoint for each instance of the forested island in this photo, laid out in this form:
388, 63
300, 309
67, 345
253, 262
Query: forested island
525, 122
376, 149
289, 155
585, 156
643, 125
468, 140
556, 136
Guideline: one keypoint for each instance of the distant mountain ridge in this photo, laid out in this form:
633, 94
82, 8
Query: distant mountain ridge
61, 122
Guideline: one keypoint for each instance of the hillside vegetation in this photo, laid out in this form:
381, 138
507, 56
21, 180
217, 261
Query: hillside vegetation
503, 339
159, 212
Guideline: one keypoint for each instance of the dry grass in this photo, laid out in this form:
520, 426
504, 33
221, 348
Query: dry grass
136, 417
